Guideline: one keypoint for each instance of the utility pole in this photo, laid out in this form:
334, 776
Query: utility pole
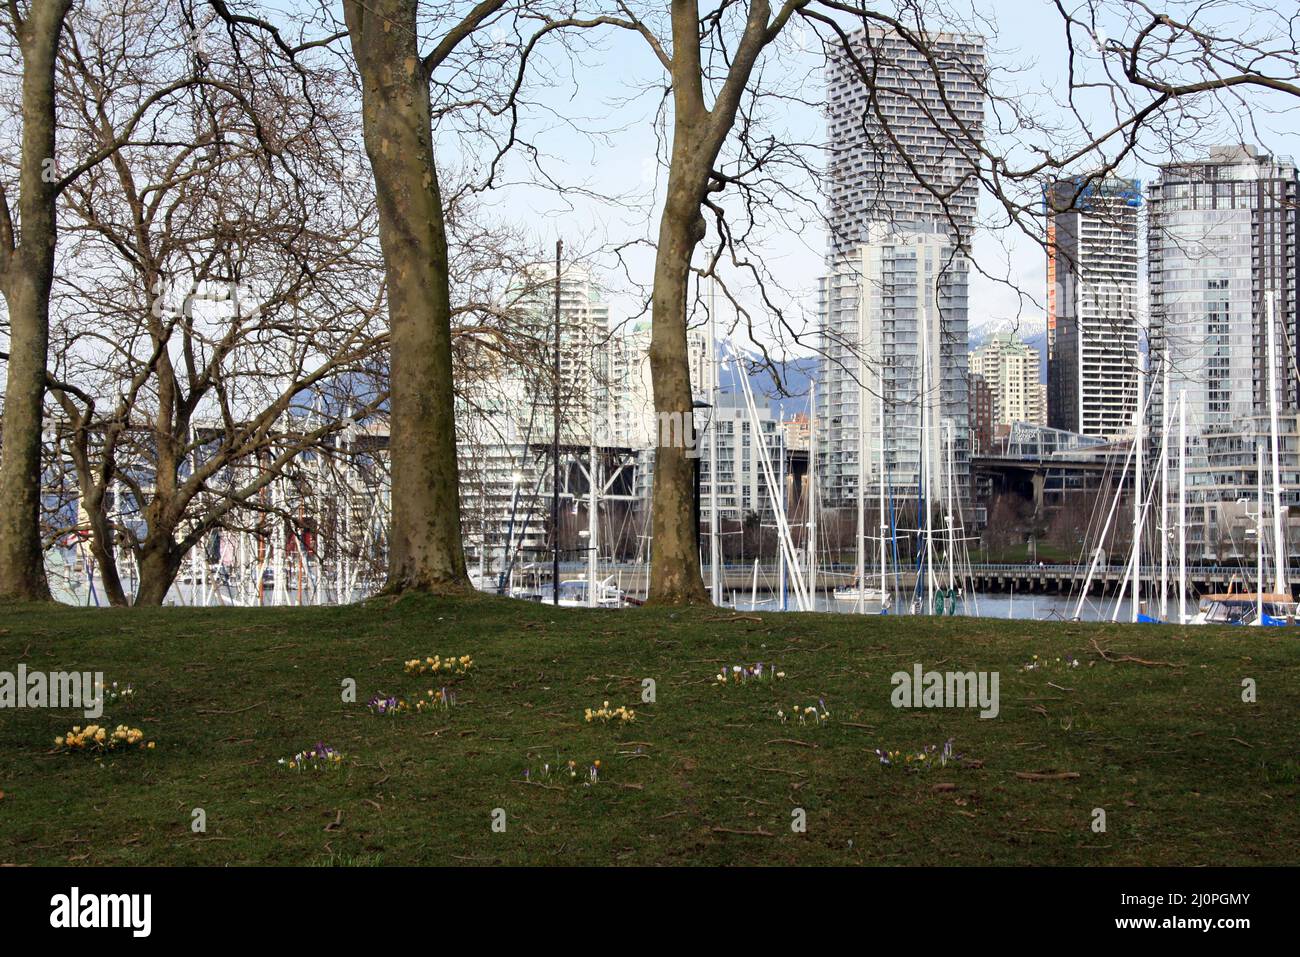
555, 440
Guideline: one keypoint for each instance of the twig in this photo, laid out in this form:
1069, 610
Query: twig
236, 711
729, 830
802, 744
1047, 775
756, 767
736, 618
1137, 661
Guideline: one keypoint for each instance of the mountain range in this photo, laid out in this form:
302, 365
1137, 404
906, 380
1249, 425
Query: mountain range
797, 374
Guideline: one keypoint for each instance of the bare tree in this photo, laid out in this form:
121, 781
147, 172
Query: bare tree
220, 313
27, 261
27, 244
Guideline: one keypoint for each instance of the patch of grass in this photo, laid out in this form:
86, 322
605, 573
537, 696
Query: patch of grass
1187, 772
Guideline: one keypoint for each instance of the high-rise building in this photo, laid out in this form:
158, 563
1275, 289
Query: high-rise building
1221, 245
742, 484
894, 332
893, 303
1092, 305
980, 404
900, 142
1009, 367
1222, 236
631, 392
505, 413
585, 378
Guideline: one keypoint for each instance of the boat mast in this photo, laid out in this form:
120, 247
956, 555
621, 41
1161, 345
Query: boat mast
1164, 491
884, 523
593, 522
948, 518
1259, 532
1279, 540
923, 472
859, 578
1182, 507
811, 495
1139, 430
781, 498
715, 552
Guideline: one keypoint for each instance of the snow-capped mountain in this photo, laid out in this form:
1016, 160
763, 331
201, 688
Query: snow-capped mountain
1032, 331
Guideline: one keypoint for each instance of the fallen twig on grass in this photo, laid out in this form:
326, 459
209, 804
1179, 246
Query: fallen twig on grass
1047, 775
735, 618
337, 823
1106, 656
236, 711
756, 767
802, 744
759, 832
1239, 741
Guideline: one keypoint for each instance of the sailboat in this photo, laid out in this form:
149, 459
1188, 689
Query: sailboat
873, 600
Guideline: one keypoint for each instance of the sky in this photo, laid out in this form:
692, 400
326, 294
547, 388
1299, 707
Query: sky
608, 93
592, 121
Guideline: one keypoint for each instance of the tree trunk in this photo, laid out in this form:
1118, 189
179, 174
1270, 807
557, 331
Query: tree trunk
425, 551
675, 575
101, 546
159, 564
698, 135
26, 276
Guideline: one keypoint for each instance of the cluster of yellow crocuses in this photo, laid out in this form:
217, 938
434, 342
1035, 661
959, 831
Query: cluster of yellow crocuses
94, 737
439, 665
605, 714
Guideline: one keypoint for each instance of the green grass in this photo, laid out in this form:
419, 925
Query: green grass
1187, 772
1021, 555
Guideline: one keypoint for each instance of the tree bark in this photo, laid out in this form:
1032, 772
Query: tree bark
159, 563
699, 133
675, 575
425, 550
26, 277
101, 547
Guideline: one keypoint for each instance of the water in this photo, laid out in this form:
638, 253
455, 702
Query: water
1022, 607
999, 605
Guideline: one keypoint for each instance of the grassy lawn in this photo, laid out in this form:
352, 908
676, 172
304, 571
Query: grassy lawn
1021, 555
1186, 772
